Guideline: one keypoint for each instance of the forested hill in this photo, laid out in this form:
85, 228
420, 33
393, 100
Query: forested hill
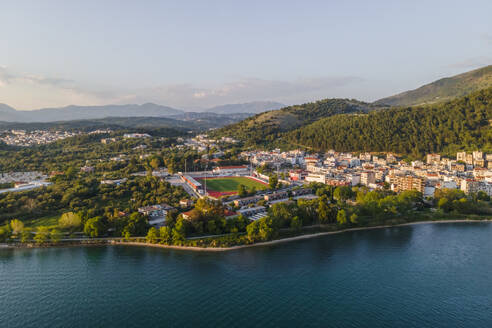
264, 128
444, 89
463, 123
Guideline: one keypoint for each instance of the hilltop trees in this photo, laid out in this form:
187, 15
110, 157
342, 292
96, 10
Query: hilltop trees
266, 128
445, 127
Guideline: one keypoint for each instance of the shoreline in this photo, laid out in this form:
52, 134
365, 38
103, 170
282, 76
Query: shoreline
225, 249
295, 238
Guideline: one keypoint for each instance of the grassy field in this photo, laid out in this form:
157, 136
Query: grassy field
51, 222
231, 184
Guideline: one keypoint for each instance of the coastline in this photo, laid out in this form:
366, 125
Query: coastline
225, 249
295, 238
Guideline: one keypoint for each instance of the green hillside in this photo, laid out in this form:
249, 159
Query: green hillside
443, 89
463, 123
266, 127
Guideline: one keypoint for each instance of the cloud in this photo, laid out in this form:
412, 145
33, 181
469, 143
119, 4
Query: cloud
28, 91
9, 77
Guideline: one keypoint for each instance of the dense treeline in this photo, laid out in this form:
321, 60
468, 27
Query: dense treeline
74, 151
264, 128
446, 128
85, 193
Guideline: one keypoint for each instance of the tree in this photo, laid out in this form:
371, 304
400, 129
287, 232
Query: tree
211, 226
266, 231
171, 218
17, 226
55, 236
341, 217
42, 235
137, 225
242, 191
179, 231
165, 234
342, 193
482, 195
444, 204
273, 181
296, 223
282, 212
155, 163
70, 220
25, 236
70, 172
253, 230
94, 227
5, 232
353, 218
323, 211
152, 236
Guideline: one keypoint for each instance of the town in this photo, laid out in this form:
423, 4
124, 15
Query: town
213, 191
39, 137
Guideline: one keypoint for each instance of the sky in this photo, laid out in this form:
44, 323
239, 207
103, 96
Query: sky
198, 54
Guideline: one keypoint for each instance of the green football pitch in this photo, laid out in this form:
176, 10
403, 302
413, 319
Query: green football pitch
230, 184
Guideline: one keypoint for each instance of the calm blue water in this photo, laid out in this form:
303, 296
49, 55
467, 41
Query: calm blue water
416, 276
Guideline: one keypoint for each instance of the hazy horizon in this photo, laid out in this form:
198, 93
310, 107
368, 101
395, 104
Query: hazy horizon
199, 55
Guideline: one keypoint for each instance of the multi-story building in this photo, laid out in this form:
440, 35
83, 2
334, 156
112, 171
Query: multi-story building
479, 162
477, 155
470, 186
311, 177
367, 178
365, 157
433, 159
402, 183
461, 156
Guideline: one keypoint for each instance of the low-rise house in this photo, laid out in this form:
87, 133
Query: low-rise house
247, 201
276, 196
251, 211
155, 211
87, 169
185, 202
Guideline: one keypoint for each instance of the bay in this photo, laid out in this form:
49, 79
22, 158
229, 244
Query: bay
428, 275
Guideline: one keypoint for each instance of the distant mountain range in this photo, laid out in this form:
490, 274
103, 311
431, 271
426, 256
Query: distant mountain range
70, 113
182, 122
444, 89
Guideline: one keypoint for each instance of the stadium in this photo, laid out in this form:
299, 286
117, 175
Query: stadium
228, 185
